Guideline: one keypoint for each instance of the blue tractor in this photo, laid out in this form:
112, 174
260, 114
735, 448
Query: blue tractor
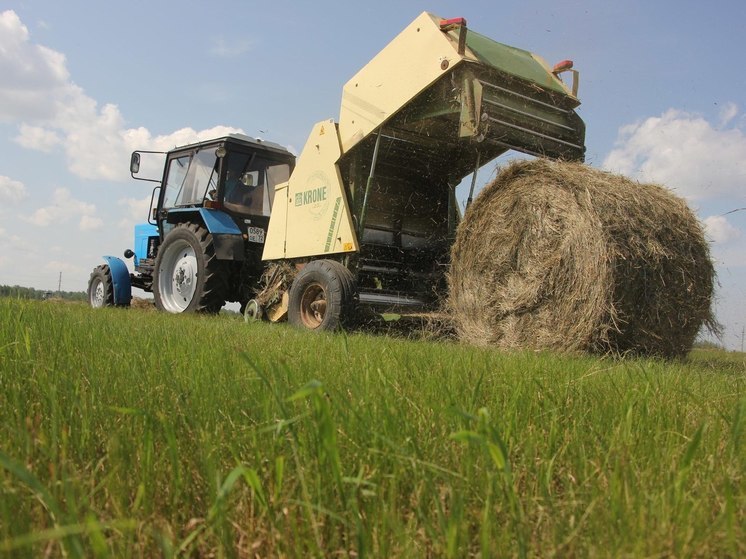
202, 245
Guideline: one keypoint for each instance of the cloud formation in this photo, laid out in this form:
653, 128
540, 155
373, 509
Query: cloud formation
34, 77
684, 152
38, 138
65, 208
89, 223
11, 191
52, 112
720, 230
134, 210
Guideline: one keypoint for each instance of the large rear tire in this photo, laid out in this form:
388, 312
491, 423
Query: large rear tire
322, 296
188, 277
101, 287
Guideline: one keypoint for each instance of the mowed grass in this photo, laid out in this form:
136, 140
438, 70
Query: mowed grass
127, 433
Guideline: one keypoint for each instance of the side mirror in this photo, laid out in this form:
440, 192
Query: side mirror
135, 163
247, 179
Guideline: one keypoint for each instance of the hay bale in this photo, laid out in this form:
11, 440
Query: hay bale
565, 257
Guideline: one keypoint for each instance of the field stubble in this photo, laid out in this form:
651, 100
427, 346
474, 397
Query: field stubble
128, 433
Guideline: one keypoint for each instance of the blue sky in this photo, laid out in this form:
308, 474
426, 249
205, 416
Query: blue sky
84, 83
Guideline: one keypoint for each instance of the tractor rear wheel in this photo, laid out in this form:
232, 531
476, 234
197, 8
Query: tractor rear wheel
101, 288
322, 296
188, 277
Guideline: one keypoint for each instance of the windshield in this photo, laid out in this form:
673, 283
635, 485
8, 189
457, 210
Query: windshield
191, 178
250, 182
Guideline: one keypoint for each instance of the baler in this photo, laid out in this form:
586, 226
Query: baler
366, 216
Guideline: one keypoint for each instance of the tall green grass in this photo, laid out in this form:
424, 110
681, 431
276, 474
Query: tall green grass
130, 433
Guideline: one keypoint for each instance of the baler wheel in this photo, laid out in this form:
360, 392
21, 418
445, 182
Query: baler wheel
188, 276
322, 296
253, 311
101, 287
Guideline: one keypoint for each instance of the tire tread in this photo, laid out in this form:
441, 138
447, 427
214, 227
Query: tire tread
212, 294
341, 293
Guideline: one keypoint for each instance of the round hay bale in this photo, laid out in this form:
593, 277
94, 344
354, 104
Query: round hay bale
561, 256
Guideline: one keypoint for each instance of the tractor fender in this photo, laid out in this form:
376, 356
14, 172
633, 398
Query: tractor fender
120, 278
227, 237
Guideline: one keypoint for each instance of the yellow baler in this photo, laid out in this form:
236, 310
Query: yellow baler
366, 216
375, 192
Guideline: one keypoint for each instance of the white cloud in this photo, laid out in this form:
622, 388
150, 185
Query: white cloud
51, 111
188, 136
94, 145
63, 208
135, 211
88, 223
33, 76
720, 230
11, 191
727, 114
21, 247
35, 137
684, 152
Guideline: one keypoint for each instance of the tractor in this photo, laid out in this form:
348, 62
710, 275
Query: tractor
365, 218
202, 245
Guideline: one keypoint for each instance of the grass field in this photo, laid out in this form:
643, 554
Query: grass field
127, 433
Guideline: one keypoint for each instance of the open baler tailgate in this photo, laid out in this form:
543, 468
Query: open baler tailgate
487, 98
510, 98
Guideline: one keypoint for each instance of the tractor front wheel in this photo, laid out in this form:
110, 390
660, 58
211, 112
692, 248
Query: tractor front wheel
188, 276
101, 288
322, 296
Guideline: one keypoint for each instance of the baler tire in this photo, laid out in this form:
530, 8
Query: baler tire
322, 297
252, 311
188, 277
101, 287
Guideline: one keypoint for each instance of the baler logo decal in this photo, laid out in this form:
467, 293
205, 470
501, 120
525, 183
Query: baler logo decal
315, 198
312, 196
333, 224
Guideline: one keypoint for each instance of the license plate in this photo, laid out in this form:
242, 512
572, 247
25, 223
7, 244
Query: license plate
256, 235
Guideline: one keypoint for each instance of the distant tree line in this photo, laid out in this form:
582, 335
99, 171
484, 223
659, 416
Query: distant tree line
18, 292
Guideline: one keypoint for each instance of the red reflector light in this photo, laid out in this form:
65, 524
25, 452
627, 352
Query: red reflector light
562, 66
446, 24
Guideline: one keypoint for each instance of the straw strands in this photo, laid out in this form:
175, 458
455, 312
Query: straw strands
561, 256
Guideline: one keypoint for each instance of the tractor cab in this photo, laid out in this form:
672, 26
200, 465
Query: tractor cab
214, 197
234, 175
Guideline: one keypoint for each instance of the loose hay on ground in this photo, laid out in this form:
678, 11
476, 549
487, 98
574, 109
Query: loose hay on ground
565, 257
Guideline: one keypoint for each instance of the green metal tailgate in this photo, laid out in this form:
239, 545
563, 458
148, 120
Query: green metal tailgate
511, 60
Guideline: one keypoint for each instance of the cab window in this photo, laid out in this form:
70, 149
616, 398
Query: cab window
191, 178
250, 182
